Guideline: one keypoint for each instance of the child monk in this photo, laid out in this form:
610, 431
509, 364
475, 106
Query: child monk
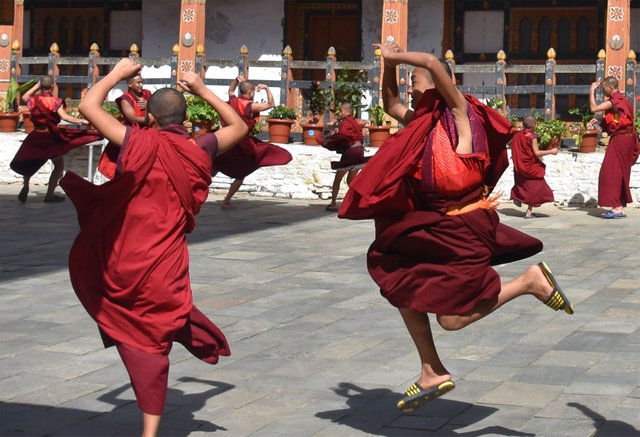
437, 235
529, 186
347, 141
129, 265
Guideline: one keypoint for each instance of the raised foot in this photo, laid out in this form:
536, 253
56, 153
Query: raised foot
416, 395
557, 300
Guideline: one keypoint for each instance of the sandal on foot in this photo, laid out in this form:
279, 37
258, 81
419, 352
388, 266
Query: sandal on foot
53, 199
416, 395
613, 215
22, 195
332, 208
558, 300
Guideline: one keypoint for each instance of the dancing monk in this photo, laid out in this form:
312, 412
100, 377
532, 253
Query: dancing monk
48, 140
129, 265
437, 235
529, 186
251, 153
622, 151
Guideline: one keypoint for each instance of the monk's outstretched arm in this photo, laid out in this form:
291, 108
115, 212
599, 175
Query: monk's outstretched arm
257, 108
91, 105
390, 92
26, 96
235, 128
593, 105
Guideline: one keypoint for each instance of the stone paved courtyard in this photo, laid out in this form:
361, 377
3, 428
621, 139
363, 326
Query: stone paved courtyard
315, 350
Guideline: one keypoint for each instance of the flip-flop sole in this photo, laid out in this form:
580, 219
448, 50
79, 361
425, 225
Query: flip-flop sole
416, 395
557, 300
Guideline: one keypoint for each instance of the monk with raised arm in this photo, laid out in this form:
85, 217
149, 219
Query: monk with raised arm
437, 234
252, 153
129, 265
622, 151
529, 186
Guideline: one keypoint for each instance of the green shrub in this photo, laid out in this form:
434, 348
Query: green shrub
550, 130
282, 112
198, 110
111, 108
376, 115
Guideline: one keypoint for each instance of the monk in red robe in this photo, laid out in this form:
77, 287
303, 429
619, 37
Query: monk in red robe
622, 151
129, 265
252, 153
437, 235
347, 141
48, 140
133, 106
528, 169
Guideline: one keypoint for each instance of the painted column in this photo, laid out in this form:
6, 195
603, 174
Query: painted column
395, 26
192, 35
8, 35
618, 38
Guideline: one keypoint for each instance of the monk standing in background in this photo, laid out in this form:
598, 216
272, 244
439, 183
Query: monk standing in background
529, 186
622, 151
251, 153
347, 141
48, 140
129, 265
133, 106
437, 235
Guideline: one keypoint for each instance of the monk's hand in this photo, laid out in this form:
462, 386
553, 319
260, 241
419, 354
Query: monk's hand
389, 51
595, 85
555, 151
261, 86
126, 68
192, 83
142, 103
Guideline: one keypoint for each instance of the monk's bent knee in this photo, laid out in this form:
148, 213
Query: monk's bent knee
451, 322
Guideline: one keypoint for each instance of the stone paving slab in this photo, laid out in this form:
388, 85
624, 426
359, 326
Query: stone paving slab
316, 351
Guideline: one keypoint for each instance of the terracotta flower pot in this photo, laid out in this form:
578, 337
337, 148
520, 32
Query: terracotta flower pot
27, 123
279, 130
311, 133
9, 121
378, 135
589, 141
200, 128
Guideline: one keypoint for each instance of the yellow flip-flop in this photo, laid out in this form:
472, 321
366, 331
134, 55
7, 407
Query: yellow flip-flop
416, 395
558, 300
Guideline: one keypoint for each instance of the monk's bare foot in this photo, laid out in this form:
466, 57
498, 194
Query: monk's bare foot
538, 284
429, 381
227, 205
333, 207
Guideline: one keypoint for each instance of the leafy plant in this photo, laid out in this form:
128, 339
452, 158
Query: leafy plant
514, 120
636, 122
376, 115
550, 130
111, 108
198, 110
316, 97
348, 88
496, 104
585, 117
282, 112
13, 91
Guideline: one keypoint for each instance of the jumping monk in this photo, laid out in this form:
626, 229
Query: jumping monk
251, 153
48, 140
437, 235
129, 265
622, 151
133, 106
347, 141
529, 186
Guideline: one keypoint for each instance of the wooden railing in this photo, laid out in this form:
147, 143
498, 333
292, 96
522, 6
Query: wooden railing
290, 87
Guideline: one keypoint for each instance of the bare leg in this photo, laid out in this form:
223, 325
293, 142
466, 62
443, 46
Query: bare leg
56, 174
532, 281
351, 176
150, 424
335, 189
433, 371
529, 212
233, 189
22, 196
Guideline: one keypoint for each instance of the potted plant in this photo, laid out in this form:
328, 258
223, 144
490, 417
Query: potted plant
379, 128
316, 97
202, 116
348, 88
280, 120
587, 133
550, 133
636, 123
8, 115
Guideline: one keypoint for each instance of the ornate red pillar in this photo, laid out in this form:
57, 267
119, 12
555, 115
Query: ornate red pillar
192, 34
8, 35
395, 26
618, 38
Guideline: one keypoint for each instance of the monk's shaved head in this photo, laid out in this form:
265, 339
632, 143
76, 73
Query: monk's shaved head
610, 81
46, 82
348, 107
168, 106
529, 122
246, 87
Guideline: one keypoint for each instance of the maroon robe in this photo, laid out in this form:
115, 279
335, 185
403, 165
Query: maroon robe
347, 141
528, 170
250, 153
48, 140
423, 258
129, 265
621, 154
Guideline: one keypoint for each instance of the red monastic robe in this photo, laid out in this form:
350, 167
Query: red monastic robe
347, 141
423, 258
250, 153
529, 187
129, 265
621, 154
48, 140
109, 159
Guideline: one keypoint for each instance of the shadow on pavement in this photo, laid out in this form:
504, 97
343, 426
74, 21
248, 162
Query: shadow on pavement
371, 411
124, 420
604, 427
36, 237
